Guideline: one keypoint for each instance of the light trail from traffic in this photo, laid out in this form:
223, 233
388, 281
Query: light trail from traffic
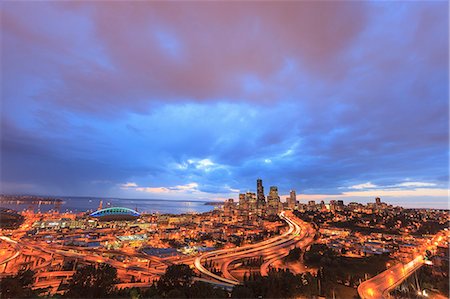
293, 235
379, 286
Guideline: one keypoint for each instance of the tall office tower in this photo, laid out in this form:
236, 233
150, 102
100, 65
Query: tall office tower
292, 200
228, 208
250, 197
260, 199
340, 205
323, 207
274, 205
378, 201
243, 206
311, 206
260, 190
332, 205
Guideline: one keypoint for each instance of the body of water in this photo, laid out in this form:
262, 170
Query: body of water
83, 204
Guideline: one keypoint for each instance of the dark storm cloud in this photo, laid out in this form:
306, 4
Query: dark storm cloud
202, 98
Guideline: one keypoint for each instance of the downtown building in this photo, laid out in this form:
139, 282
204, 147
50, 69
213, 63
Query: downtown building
243, 207
229, 210
274, 205
292, 200
252, 205
260, 199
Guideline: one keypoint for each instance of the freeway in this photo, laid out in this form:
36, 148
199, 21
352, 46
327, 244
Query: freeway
16, 247
43, 257
379, 286
276, 247
305, 238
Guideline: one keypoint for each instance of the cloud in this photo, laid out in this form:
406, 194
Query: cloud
415, 184
154, 51
128, 185
399, 193
291, 92
153, 189
187, 188
403, 185
367, 185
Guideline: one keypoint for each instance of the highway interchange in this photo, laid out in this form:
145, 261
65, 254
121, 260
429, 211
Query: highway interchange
147, 268
298, 234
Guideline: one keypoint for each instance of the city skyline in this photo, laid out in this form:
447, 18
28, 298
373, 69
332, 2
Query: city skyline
138, 101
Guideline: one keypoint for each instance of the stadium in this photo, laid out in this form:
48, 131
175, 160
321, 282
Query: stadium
115, 214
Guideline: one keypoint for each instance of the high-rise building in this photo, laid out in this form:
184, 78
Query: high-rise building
311, 206
260, 190
323, 206
340, 205
292, 200
260, 198
250, 197
333, 205
229, 208
243, 206
378, 201
274, 205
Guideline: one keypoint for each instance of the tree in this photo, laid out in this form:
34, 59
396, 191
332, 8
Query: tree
294, 254
175, 277
18, 286
201, 289
278, 284
92, 281
241, 291
318, 254
176, 293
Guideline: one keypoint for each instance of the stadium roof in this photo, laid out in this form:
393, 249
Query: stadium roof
119, 211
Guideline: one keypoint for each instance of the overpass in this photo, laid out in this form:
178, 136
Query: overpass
274, 248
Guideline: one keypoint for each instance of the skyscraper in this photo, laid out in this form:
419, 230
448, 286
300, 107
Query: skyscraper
377, 201
228, 208
260, 198
274, 205
292, 200
243, 206
333, 205
250, 197
260, 191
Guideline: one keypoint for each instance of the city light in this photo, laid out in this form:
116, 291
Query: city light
229, 149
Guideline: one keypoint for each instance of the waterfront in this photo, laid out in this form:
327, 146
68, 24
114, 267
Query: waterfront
83, 204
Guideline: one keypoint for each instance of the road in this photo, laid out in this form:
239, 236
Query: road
16, 248
275, 248
379, 286
304, 239
44, 257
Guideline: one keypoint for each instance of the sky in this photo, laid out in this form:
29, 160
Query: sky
196, 100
